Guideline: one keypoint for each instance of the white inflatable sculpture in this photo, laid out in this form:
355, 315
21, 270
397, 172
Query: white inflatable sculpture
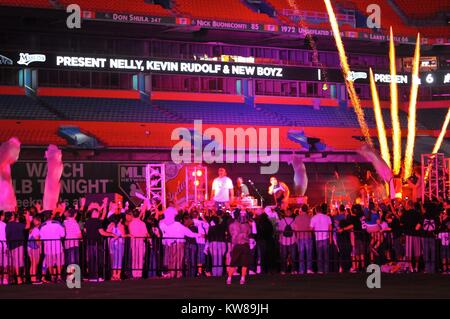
300, 176
52, 181
381, 167
9, 153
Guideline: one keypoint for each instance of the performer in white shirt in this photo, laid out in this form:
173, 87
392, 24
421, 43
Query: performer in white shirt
222, 189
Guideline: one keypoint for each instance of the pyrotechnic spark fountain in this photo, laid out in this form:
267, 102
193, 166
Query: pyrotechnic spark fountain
396, 131
346, 71
409, 151
384, 148
438, 144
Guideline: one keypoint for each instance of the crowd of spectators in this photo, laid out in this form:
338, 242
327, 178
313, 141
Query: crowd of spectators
112, 242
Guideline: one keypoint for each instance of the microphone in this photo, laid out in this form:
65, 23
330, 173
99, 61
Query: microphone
250, 181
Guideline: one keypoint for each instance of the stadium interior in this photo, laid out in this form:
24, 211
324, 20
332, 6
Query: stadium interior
126, 115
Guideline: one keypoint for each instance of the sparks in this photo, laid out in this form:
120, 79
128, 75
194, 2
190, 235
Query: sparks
396, 131
438, 144
384, 148
346, 71
409, 151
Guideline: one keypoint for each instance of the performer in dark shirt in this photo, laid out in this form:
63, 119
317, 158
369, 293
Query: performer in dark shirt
280, 192
242, 189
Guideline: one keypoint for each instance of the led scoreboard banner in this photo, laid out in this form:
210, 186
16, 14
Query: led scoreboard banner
249, 27
40, 60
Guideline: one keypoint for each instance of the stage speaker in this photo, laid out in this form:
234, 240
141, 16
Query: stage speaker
98, 198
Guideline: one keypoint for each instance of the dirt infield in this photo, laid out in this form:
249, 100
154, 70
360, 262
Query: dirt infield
258, 287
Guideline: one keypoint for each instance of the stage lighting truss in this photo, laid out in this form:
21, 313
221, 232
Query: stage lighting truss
155, 178
196, 184
434, 182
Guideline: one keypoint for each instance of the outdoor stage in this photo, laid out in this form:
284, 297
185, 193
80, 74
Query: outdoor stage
347, 286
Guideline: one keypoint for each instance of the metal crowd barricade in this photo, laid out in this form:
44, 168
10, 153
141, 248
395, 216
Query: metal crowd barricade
135, 258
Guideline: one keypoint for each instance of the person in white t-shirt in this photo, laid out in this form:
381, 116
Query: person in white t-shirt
51, 233
139, 234
321, 225
173, 234
222, 189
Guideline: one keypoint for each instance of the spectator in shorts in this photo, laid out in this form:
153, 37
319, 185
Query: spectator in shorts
3, 251
73, 237
410, 222
15, 236
240, 231
321, 225
34, 249
287, 240
51, 233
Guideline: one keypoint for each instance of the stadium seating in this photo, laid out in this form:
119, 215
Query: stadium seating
117, 6
230, 10
218, 113
120, 6
422, 9
329, 116
136, 134
27, 3
104, 109
432, 118
308, 5
32, 133
435, 31
388, 17
22, 107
